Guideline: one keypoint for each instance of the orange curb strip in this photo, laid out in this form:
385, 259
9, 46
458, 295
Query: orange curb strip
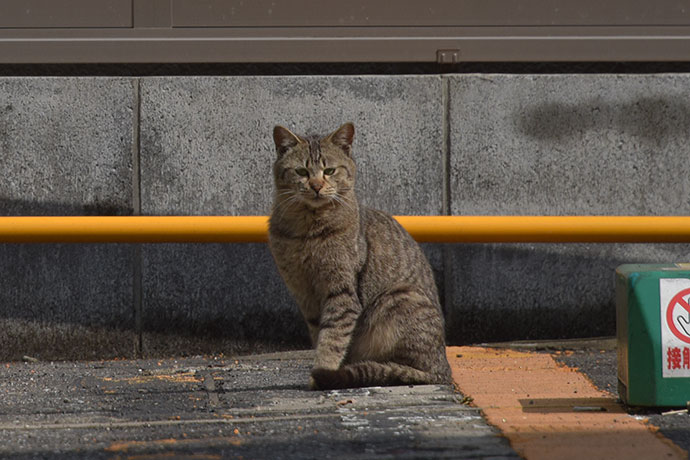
550, 411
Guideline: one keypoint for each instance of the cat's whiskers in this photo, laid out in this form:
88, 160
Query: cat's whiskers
285, 192
343, 193
343, 201
284, 205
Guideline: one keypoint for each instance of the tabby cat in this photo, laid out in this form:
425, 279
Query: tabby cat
363, 285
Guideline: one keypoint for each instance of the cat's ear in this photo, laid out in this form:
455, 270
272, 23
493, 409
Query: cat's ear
343, 137
284, 139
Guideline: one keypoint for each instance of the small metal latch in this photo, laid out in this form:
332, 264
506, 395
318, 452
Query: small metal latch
448, 56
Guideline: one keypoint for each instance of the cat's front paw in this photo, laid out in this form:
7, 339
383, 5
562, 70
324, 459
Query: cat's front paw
324, 379
323, 361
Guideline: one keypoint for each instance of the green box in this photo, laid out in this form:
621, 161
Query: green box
653, 329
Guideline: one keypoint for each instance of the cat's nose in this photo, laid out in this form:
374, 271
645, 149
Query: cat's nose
316, 185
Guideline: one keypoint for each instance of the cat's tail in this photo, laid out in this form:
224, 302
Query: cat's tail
372, 373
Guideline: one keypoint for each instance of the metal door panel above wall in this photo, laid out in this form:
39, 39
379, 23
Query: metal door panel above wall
371, 31
429, 13
29, 14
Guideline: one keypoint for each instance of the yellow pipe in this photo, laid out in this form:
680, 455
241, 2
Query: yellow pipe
253, 229
134, 229
548, 229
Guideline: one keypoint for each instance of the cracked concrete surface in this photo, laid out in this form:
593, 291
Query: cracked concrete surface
251, 407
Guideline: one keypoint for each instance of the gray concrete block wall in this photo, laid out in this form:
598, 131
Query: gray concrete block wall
66, 149
66, 146
559, 145
206, 148
60, 301
570, 144
207, 145
464, 144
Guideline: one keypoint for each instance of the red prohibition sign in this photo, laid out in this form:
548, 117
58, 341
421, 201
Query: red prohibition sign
677, 300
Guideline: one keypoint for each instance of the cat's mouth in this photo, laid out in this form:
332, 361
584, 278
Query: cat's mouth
316, 199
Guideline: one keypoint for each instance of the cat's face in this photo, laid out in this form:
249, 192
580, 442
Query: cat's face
314, 171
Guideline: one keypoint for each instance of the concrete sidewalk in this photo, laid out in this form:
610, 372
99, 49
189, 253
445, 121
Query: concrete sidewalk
250, 407
536, 401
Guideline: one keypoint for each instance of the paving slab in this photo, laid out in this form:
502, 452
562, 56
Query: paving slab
250, 407
599, 364
557, 399
542, 395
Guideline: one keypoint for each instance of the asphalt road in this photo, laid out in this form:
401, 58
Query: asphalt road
258, 407
253, 407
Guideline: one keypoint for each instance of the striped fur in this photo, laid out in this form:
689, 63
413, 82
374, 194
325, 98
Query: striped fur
363, 285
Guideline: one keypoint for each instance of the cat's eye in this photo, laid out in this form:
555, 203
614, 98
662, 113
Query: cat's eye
329, 171
302, 172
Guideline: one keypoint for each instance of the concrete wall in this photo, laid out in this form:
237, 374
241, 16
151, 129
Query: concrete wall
464, 144
66, 148
559, 145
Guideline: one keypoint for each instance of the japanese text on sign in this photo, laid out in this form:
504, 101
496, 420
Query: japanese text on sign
674, 313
